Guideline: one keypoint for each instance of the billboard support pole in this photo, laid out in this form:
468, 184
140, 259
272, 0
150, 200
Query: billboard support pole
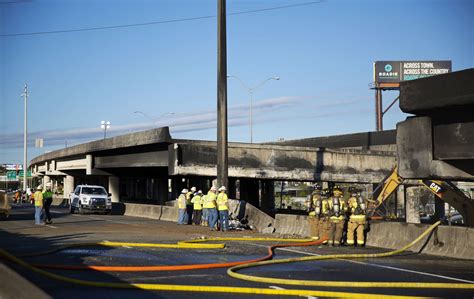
378, 109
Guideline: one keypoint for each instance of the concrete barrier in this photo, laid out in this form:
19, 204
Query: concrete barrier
448, 241
291, 225
169, 212
14, 286
166, 213
259, 220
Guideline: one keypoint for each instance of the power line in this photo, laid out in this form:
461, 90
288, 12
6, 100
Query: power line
158, 22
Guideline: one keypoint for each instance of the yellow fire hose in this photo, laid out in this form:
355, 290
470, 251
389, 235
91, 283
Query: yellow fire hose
194, 288
419, 285
261, 291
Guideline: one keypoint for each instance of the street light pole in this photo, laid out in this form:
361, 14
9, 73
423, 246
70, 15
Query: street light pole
25, 139
105, 125
251, 90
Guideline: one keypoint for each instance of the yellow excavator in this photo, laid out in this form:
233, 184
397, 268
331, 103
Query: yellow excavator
444, 190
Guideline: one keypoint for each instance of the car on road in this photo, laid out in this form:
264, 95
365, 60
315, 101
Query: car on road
90, 198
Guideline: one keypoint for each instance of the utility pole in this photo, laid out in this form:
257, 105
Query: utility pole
222, 150
25, 145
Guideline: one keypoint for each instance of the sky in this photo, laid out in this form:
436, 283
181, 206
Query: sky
159, 57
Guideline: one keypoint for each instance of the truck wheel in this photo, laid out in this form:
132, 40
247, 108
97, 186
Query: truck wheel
71, 209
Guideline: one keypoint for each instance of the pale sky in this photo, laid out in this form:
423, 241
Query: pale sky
159, 57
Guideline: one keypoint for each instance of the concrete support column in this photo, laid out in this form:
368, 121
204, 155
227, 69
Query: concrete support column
46, 179
268, 197
162, 189
400, 201
114, 188
412, 204
68, 184
249, 191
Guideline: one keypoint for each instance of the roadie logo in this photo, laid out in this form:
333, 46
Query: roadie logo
388, 68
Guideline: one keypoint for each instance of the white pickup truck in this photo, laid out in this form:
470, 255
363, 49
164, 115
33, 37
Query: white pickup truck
90, 198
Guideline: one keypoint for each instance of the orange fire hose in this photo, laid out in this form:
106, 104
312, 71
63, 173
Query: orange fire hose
271, 252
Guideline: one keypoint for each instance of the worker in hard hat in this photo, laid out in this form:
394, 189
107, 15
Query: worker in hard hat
189, 204
212, 205
314, 212
337, 209
47, 201
223, 208
38, 196
197, 207
205, 210
357, 219
182, 215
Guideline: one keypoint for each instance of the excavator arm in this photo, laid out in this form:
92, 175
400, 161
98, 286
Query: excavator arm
444, 190
384, 190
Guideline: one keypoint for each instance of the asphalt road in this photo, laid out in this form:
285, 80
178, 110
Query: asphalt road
19, 235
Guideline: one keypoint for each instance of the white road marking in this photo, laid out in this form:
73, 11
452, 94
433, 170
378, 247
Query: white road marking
280, 288
49, 225
376, 265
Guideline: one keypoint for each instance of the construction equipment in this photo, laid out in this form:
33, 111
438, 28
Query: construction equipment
444, 190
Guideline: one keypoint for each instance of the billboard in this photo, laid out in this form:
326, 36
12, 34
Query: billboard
397, 71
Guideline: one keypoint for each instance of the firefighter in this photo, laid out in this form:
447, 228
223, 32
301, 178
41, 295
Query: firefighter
324, 217
357, 219
337, 209
314, 212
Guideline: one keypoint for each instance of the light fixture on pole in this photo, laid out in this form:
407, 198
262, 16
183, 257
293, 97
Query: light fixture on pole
104, 125
251, 90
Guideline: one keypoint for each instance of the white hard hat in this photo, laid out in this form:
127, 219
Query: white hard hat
39, 187
200, 192
222, 188
184, 191
213, 188
193, 189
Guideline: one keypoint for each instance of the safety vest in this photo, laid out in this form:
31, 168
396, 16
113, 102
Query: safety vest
356, 209
222, 200
47, 195
197, 201
38, 199
211, 200
189, 196
182, 201
337, 208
